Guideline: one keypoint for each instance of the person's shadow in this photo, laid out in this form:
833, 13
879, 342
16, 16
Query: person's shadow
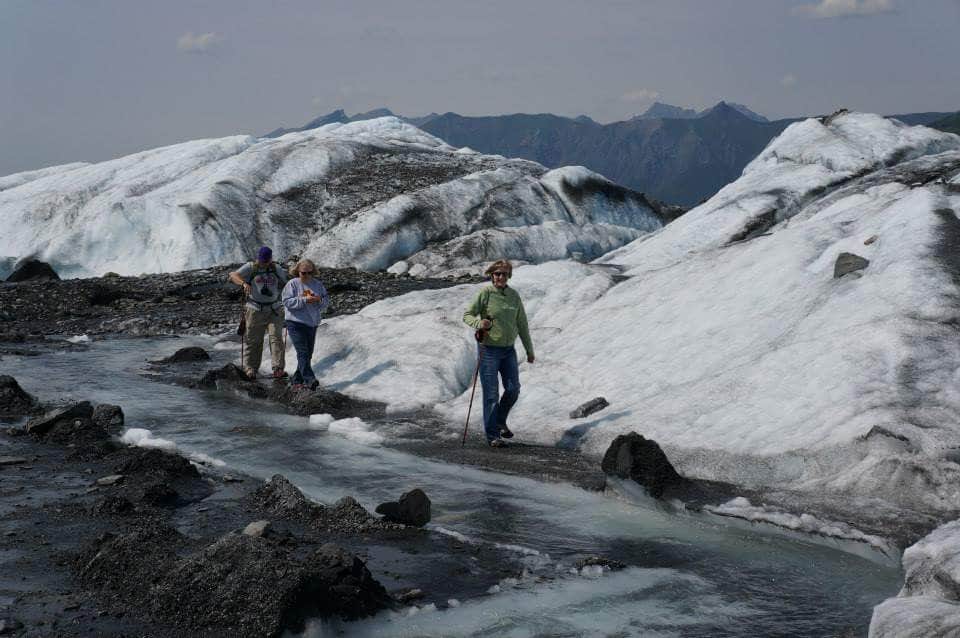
572, 438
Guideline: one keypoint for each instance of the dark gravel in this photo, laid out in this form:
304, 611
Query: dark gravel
187, 302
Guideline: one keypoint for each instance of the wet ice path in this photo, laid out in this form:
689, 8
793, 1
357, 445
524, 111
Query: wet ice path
687, 577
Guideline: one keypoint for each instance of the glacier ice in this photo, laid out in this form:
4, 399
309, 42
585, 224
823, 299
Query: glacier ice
738, 352
929, 603
364, 194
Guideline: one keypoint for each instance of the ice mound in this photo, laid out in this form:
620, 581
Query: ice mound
363, 194
321, 421
140, 437
928, 604
725, 336
355, 429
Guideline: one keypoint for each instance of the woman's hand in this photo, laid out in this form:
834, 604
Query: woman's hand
485, 324
530, 358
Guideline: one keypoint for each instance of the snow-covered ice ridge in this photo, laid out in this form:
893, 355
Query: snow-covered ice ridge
366, 194
730, 342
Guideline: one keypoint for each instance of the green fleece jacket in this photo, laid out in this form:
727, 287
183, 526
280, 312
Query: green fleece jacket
505, 309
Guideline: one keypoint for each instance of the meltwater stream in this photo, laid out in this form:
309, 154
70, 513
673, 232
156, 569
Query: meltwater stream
687, 576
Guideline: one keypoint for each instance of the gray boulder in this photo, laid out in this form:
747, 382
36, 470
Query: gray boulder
44, 423
108, 416
257, 529
10, 626
33, 270
630, 456
588, 408
847, 263
190, 354
413, 508
14, 400
281, 498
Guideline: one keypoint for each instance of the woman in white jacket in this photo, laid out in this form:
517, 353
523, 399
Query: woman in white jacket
304, 299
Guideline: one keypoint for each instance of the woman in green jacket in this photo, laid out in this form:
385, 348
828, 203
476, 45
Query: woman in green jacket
498, 311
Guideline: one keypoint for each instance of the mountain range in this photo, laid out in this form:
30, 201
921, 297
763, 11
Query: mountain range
668, 152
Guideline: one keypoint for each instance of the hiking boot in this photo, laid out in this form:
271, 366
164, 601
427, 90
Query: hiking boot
505, 432
250, 374
498, 443
280, 373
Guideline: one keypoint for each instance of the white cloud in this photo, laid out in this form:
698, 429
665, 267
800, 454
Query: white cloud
203, 43
640, 95
843, 8
788, 80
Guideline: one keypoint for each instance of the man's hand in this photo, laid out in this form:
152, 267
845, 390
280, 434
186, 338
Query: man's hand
485, 324
530, 358
247, 288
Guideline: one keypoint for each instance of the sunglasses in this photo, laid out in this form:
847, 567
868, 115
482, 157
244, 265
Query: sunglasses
499, 274
306, 272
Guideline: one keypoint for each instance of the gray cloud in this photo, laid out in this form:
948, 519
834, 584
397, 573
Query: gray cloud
844, 8
203, 43
788, 80
66, 97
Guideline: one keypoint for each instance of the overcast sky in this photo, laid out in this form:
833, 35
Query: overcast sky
92, 80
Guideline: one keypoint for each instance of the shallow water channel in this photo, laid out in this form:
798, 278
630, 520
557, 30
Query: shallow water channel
687, 575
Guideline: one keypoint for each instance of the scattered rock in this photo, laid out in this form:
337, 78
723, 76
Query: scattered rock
14, 401
257, 529
11, 460
33, 270
588, 408
113, 479
641, 460
253, 586
114, 504
847, 263
109, 417
9, 626
160, 494
191, 354
281, 498
298, 401
43, 424
155, 462
408, 595
870, 240
413, 508
231, 376
602, 561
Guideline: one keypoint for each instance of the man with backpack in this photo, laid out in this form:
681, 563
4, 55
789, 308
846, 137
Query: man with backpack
262, 281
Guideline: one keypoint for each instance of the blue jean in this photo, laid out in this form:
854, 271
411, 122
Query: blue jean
496, 360
303, 338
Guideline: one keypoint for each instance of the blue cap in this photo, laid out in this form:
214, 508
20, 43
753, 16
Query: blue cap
265, 254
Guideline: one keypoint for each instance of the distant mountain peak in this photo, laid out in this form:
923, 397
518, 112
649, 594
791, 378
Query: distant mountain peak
372, 115
723, 106
338, 116
725, 111
660, 110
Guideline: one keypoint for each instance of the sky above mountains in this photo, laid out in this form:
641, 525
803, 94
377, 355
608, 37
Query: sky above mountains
94, 80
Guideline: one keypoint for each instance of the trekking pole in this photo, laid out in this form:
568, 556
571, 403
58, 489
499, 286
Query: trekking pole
476, 374
480, 334
242, 328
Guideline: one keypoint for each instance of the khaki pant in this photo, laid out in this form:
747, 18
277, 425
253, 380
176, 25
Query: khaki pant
258, 322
